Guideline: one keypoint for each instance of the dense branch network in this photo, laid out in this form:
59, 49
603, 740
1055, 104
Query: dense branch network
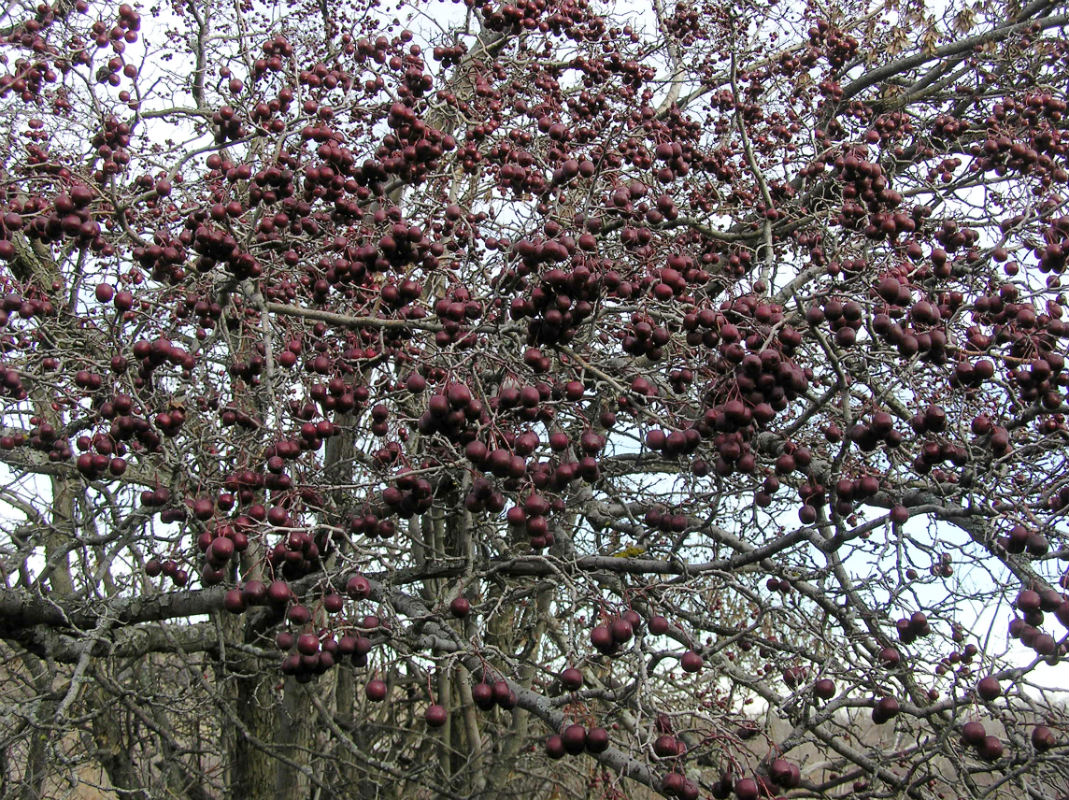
519, 381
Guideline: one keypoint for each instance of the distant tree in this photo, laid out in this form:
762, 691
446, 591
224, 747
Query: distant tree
397, 399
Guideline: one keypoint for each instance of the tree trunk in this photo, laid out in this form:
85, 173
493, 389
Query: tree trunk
114, 749
37, 762
252, 769
294, 737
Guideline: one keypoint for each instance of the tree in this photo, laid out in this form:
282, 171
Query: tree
397, 400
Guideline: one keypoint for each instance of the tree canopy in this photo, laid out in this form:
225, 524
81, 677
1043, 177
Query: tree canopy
536, 398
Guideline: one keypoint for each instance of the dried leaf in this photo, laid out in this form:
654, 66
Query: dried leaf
897, 41
964, 20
